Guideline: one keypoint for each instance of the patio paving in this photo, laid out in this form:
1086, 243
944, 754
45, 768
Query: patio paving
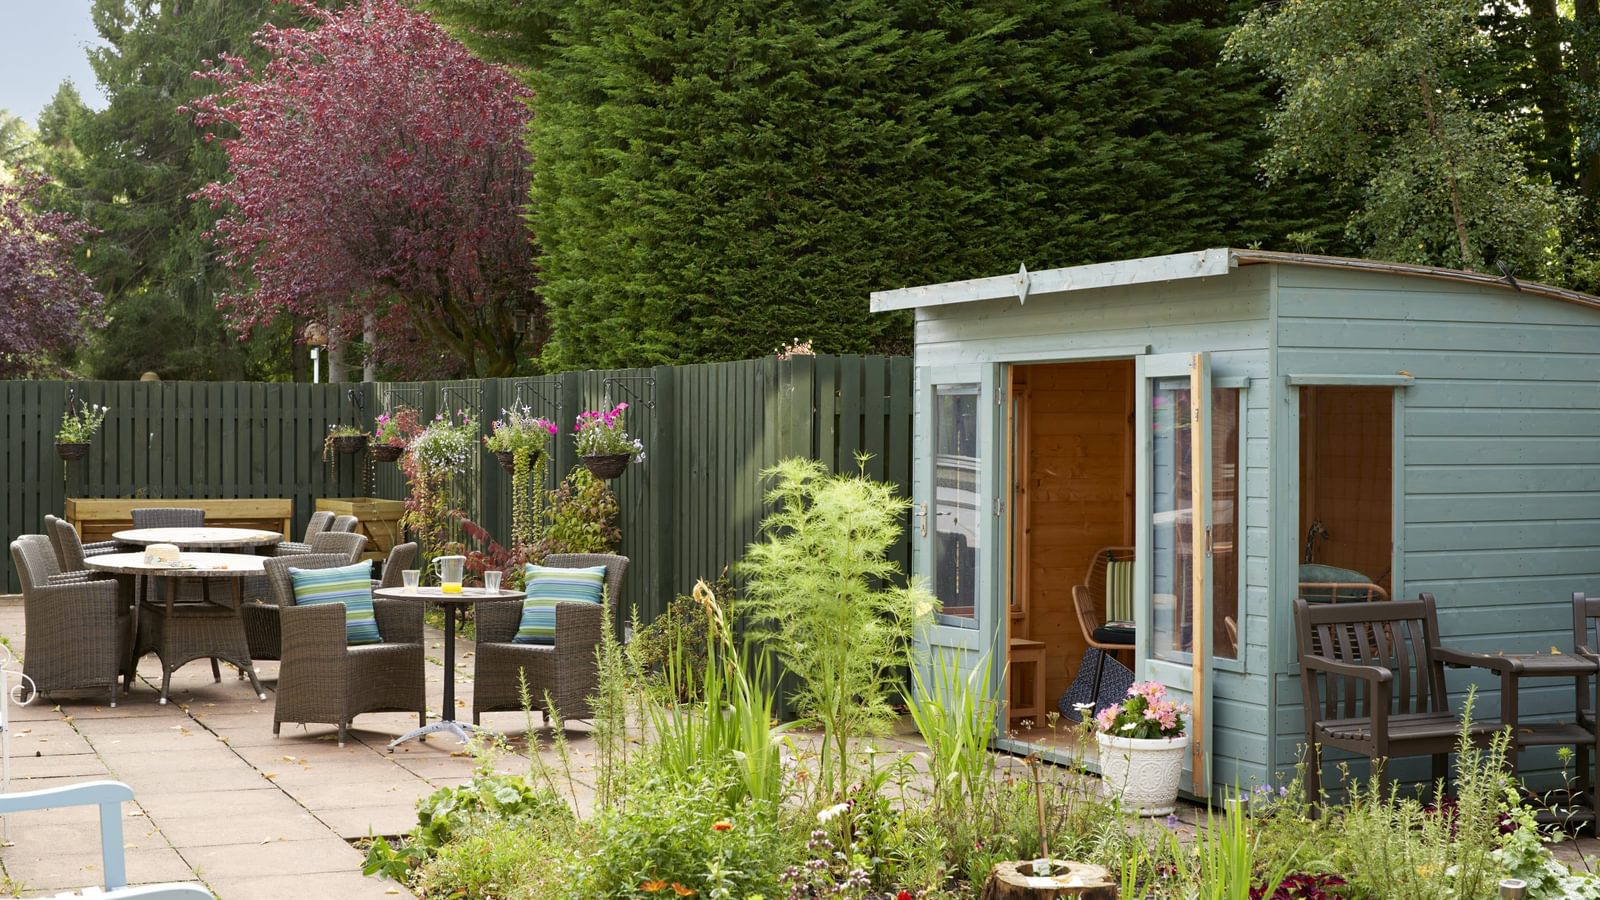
218, 799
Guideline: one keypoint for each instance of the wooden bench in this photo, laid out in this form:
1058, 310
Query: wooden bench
97, 519
1372, 679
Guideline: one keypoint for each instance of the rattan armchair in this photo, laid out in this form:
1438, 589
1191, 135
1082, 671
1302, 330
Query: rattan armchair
77, 631
72, 551
401, 556
262, 629
169, 517
323, 679
341, 542
343, 524
567, 672
317, 524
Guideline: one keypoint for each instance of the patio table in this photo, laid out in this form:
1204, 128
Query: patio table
215, 635
196, 538
451, 603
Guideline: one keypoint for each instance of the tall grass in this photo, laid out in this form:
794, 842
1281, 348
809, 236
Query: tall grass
956, 715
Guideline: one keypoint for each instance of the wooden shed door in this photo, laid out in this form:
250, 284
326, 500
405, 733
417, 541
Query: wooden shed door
955, 520
1172, 580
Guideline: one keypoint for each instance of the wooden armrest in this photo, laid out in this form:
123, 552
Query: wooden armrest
1458, 659
1584, 651
1374, 674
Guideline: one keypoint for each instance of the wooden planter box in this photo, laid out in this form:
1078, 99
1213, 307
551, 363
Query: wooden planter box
378, 519
97, 519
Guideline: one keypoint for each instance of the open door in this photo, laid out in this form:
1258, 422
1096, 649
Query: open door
956, 518
1172, 587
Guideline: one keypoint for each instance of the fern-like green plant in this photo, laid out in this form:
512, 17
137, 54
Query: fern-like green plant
822, 594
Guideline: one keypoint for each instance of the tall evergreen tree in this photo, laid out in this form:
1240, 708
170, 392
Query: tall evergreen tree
131, 169
714, 179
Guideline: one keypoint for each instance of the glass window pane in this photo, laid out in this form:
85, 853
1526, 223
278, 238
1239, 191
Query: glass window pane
955, 501
1172, 551
1227, 547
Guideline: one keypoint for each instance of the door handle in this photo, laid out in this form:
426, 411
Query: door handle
922, 512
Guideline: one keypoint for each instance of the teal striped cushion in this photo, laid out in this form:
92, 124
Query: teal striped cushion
548, 586
350, 585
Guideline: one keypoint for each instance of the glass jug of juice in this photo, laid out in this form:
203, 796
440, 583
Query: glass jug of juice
451, 568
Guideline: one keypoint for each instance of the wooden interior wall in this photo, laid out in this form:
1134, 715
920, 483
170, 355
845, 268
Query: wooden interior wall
1347, 477
1078, 485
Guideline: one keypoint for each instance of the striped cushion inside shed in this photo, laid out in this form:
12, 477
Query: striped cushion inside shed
547, 586
350, 585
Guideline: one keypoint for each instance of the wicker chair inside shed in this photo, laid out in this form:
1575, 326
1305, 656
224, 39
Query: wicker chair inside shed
1106, 595
169, 517
323, 679
77, 629
567, 670
317, 524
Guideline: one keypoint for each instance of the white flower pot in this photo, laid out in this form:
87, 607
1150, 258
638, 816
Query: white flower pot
1143, 772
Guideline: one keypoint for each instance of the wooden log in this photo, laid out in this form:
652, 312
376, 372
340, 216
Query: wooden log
1015, 881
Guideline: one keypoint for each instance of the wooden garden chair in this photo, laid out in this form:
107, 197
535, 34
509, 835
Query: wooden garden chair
1586, 643
1372, 679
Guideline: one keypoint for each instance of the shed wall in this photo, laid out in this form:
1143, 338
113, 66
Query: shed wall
1228, 316
1499, 496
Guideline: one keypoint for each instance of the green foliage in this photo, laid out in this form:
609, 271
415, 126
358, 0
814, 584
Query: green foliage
1223, 857
820, 592
583, 517
956, 716
1374, 99
680, 638
78, 427
131, 169
716, 179
680, 834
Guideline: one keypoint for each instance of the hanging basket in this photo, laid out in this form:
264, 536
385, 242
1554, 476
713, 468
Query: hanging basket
607, 466
73, 450
508, 460
387, 452
350, 443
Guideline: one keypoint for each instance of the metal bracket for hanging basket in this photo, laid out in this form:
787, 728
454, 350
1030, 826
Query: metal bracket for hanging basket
646, 394
524, 392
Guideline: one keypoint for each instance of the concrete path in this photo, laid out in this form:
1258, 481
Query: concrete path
218, 799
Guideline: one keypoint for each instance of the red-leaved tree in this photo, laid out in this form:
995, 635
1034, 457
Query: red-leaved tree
47, 304
378, 173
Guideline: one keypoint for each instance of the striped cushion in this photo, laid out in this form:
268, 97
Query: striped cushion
350, 585
1119, 590
548, 586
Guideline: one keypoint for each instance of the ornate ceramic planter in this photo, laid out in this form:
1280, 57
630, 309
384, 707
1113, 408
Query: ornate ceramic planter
1143, 772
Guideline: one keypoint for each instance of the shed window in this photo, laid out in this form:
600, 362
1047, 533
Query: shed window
956, 518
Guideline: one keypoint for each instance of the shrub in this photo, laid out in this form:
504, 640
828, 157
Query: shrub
583, 517
821, 592
681, 635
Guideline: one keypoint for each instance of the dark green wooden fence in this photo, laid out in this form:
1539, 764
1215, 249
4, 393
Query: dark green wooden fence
688, 510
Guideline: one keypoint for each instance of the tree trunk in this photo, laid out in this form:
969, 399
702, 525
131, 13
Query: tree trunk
1011, 881
1550, 92
335, 354
1450, 163
369, 336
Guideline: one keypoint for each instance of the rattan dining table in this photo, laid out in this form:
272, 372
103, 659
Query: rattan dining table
186, 631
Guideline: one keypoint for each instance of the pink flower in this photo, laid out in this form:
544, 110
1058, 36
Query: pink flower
1106, 718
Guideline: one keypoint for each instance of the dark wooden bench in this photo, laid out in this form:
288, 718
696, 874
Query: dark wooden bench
1586, 643
1372, 676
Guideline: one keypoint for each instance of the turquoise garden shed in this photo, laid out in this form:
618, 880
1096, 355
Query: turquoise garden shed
1191, 441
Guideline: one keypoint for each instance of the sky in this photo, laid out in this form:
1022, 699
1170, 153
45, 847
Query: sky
42, 44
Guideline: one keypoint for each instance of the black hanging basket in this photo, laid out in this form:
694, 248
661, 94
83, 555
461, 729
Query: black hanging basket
72, 450
607, 466
387, 452
508, 460
350, 443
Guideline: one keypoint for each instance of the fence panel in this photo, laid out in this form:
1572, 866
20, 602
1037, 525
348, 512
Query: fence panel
687, 512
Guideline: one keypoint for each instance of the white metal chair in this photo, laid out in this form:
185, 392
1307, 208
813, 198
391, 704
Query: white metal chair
109, 796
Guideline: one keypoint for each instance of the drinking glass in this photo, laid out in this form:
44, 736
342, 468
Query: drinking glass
411, 577
491, 581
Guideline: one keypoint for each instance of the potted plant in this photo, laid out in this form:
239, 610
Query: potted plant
1142, 743
518, 432
345, 439
389, 437
602, 444
72, 438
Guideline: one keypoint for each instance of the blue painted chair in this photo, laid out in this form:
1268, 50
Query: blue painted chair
109, 796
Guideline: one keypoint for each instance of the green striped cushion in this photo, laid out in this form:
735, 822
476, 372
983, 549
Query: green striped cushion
547, 586
1119, 590
350, 585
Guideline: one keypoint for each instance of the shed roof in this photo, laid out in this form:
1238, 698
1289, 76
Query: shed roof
1198, 264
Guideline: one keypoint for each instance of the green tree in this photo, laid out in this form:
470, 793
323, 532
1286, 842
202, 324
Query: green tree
131, 169
712, 180
1378, 97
